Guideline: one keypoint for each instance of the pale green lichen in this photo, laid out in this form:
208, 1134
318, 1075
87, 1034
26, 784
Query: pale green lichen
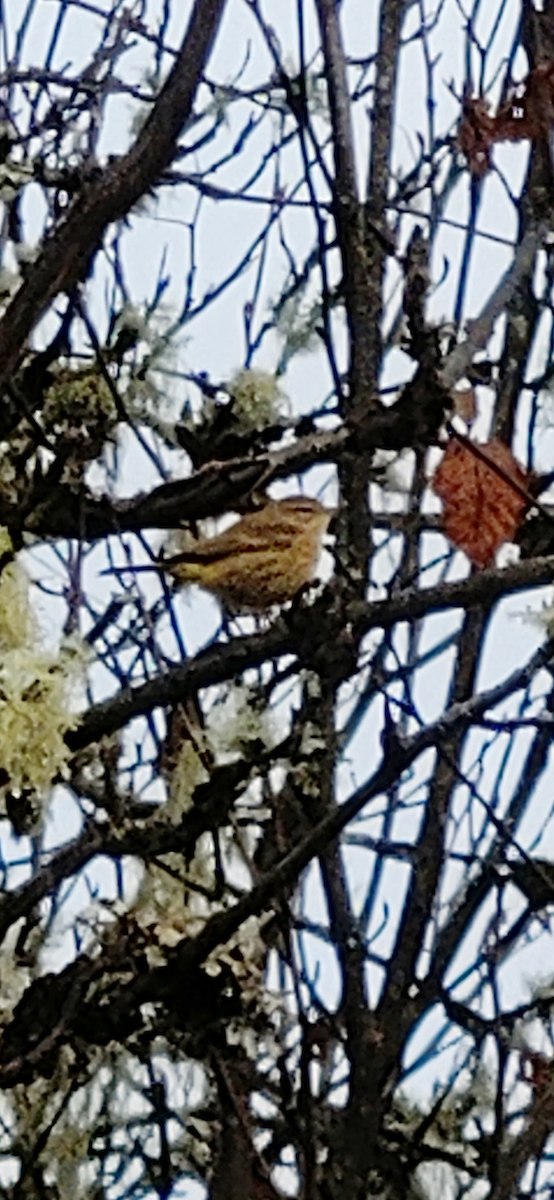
542, 618
175, 900
79, 416
144, 380
296, 324
174, 903
17, 461
34, 719
35, 691
131, 322
80, 413
185, 773
17, 621
239, 719
78, 398
257, 398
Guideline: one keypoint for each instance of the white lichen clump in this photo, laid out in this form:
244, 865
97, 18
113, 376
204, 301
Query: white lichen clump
257, 399
173, 903
35, 691
239, 718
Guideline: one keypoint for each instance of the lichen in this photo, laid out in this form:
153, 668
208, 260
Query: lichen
257, 398
17, 621
34, 718
238, 719
35, 694
185, 774
79, 400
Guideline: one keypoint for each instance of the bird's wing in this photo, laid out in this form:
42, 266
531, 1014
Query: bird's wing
231, 541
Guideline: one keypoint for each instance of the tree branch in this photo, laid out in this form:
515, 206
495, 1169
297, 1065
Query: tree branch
67, 252
479, 330
295, 635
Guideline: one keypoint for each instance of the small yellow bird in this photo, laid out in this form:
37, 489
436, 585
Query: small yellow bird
265, 558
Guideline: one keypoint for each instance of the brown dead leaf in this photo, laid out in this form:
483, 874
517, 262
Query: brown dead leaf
481, 510
477, 134
528, 112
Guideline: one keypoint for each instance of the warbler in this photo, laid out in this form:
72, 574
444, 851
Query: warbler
265, 558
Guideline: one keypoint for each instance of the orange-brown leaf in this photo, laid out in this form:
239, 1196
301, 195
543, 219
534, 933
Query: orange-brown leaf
481, 510
477, 134
528, 112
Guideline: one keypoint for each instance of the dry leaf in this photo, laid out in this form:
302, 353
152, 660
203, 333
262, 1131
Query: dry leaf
477, 134
527, 113
481, 510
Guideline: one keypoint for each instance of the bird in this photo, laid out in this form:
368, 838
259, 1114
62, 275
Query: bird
264, 559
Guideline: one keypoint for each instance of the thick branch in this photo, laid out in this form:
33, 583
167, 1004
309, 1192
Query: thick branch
67, 862
146, 841
296, 636
479, 330
111, 1020
219, 486
358, 286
